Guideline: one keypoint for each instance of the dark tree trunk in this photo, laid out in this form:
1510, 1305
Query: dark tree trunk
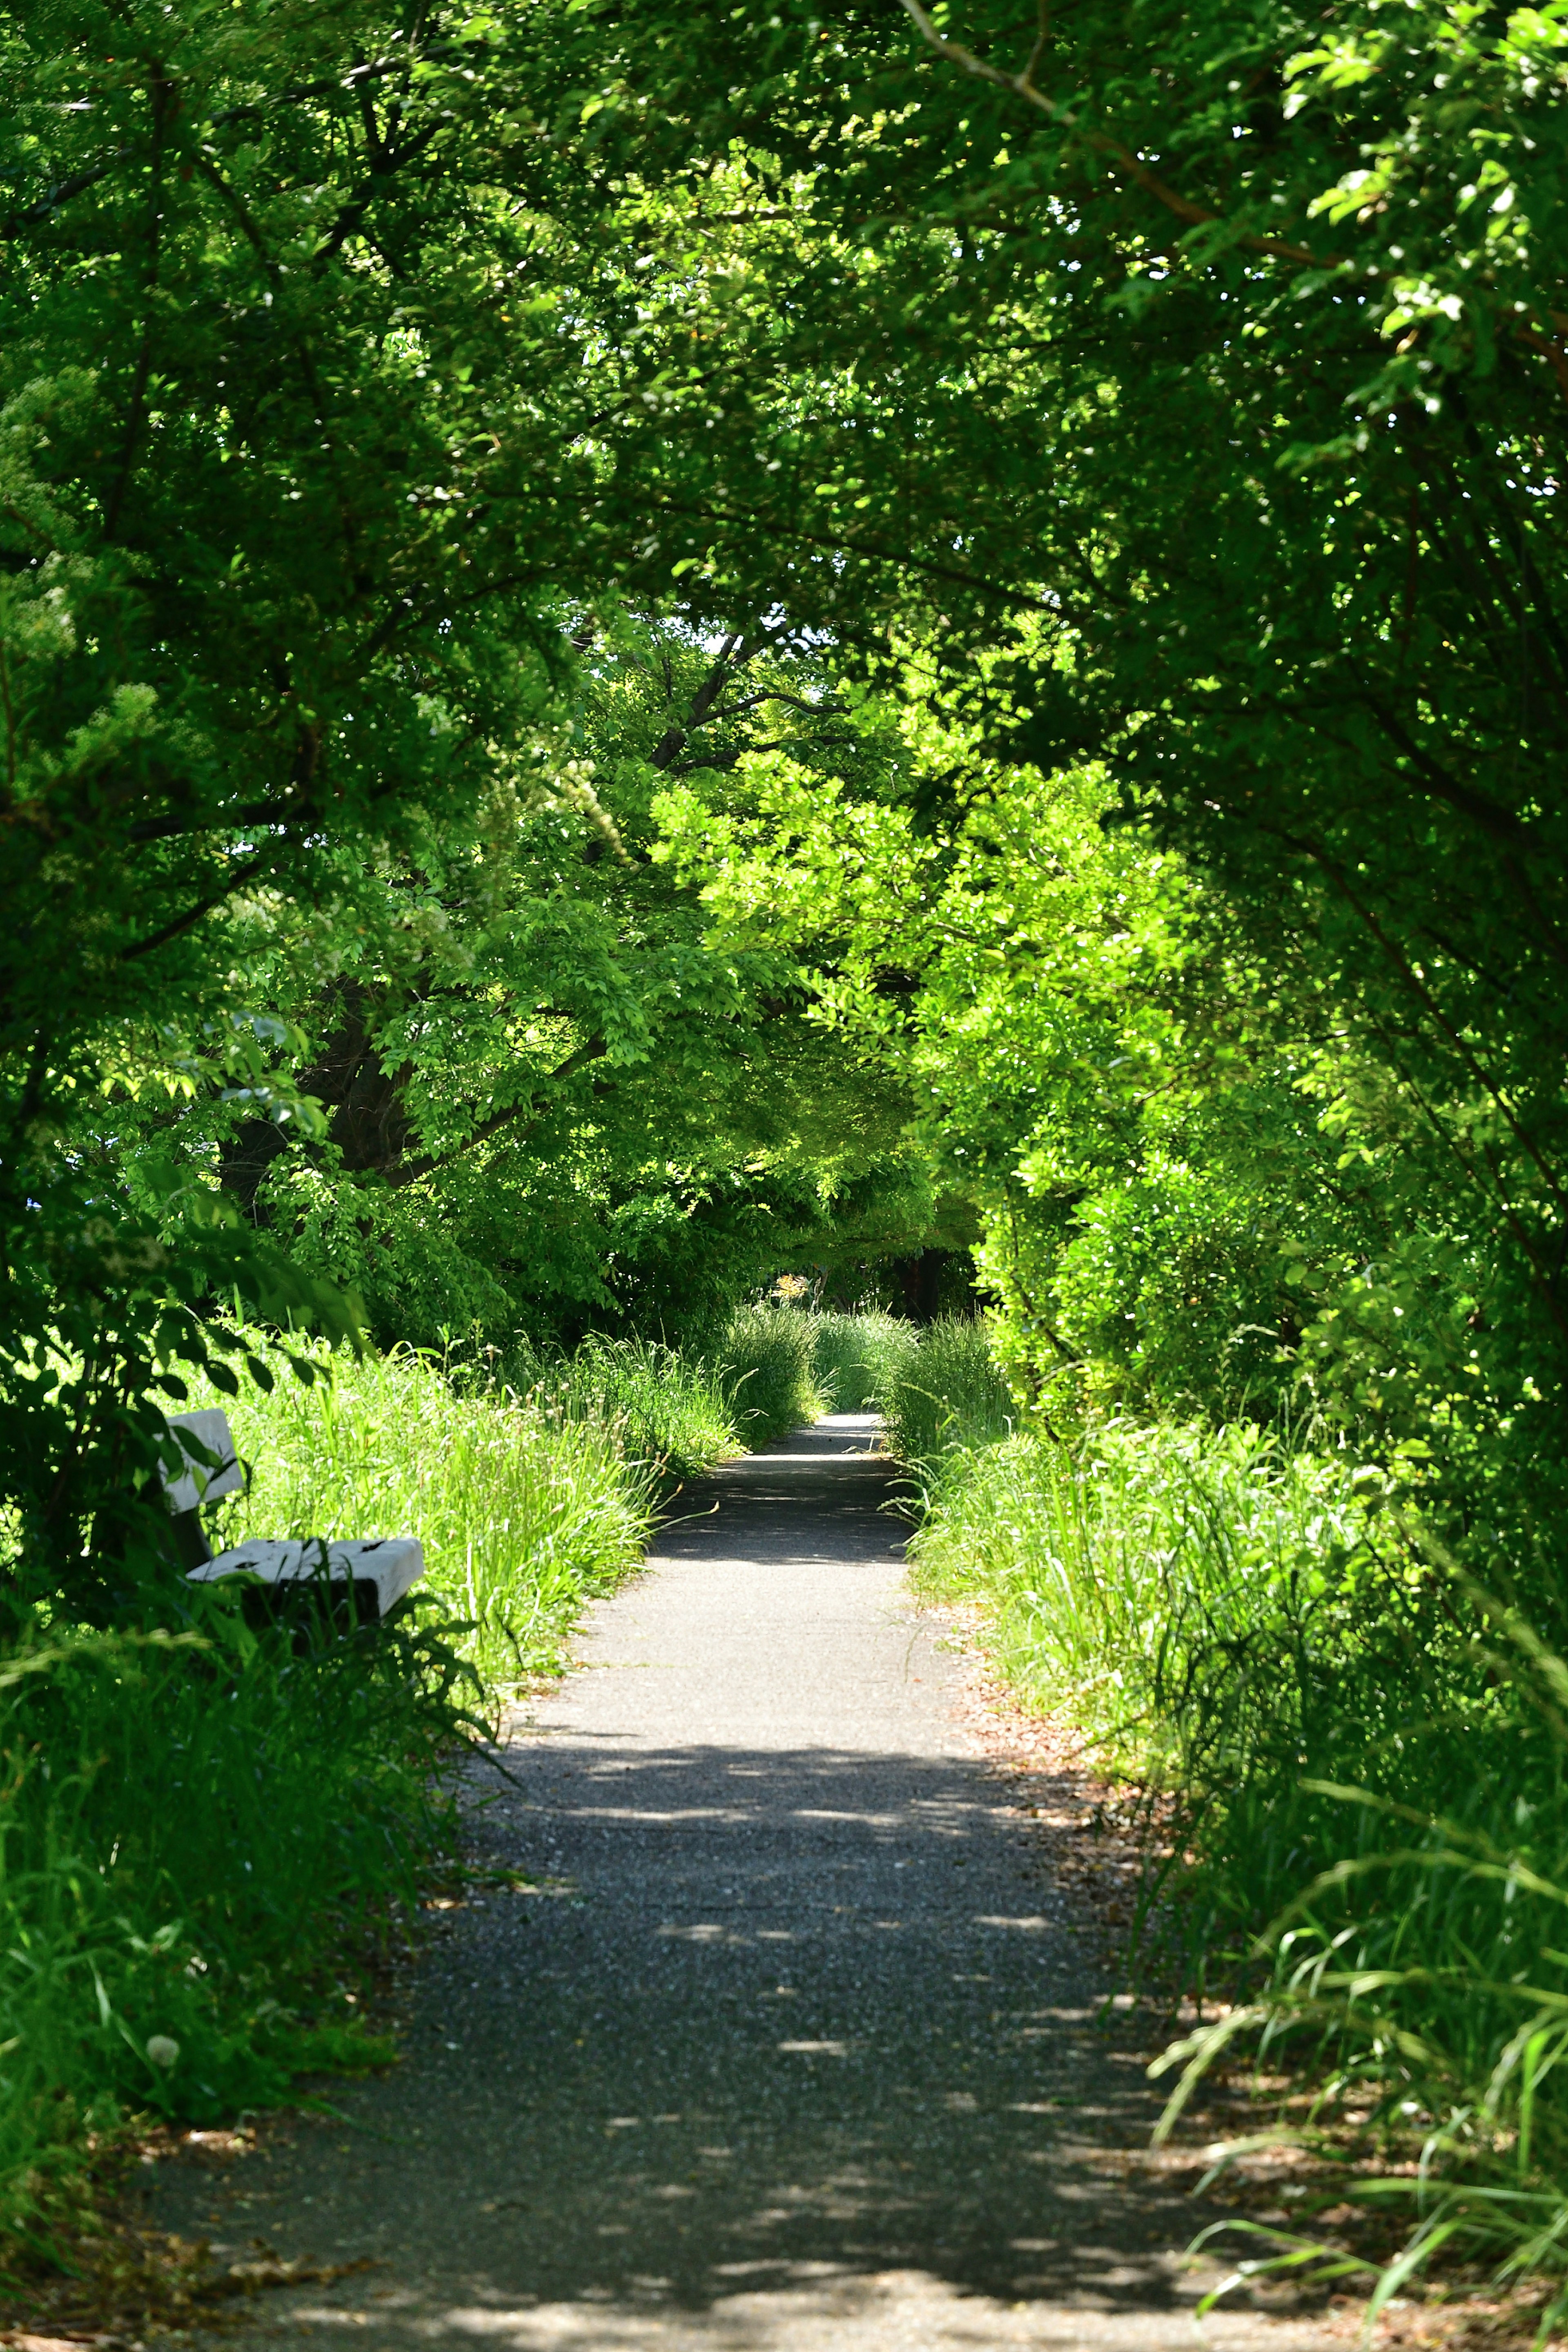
921, 1281
364, 1103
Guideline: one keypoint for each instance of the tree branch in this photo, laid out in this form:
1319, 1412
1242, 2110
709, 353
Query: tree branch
60, 194
193, 915
408, 1172
1023, 85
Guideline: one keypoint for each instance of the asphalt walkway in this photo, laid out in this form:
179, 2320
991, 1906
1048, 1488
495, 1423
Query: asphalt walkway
796, 2051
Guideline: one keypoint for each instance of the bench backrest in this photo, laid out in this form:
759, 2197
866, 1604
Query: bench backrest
197, 1484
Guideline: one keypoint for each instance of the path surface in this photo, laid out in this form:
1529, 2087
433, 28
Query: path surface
799, 2059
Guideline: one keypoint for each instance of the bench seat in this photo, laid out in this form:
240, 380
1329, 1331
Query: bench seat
390, 1565
372, 1572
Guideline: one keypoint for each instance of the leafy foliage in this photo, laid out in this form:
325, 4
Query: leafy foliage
305, 546
638, 648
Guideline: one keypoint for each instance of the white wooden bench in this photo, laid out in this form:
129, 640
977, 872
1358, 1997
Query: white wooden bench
372, 1572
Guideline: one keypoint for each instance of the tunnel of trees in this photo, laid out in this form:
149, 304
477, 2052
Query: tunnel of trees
643, 646
646, 646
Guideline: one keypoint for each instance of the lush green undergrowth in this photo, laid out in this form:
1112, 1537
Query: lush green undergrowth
1364, 1763
203, 1838
526, 1506
662, 1409
764, 1355
857, 1358
944, 1395
532, 1481
784, 1365
1108, 1567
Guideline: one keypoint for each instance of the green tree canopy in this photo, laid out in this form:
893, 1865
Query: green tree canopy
1170, 402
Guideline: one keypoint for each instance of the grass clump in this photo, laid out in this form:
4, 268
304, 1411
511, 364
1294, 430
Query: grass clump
765, 1371
664, 1408
945, 1395
1107, 1568
856, 1359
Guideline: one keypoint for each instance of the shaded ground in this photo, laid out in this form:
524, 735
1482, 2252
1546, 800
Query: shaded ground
796, 2053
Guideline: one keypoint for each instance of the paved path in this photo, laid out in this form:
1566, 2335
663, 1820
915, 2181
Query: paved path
801, 2056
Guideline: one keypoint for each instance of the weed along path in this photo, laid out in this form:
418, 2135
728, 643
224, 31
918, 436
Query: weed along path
796, 2053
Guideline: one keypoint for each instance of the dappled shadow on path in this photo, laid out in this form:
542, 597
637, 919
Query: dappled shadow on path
785, 2019
811, 2010
790, 2045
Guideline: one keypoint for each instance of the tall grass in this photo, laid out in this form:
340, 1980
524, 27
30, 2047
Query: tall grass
856, 1359
530, 1494
1368, 1756
663, 1408
1106, 1569
526, 1506
199, 1833
1413, 1850
765, 1371
945, 1396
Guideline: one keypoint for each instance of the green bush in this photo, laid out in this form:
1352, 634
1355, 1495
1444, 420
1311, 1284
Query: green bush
398, 1249
947, 1395
855, 1359
765, 1371
1167, 1279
